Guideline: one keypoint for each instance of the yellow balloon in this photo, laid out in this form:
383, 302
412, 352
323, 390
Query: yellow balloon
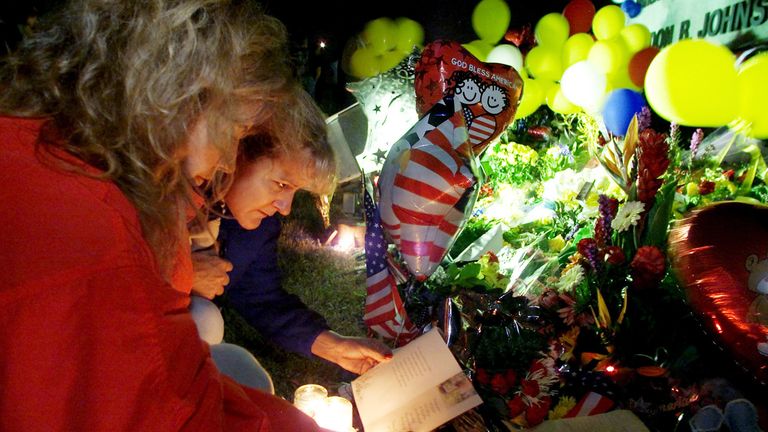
693, 82
478, 48
544, 62
576, 48
364, 63
409, 34
490, 20
390, 59
546, 85
619, 79
608, 22
558, 103
380, 35
636, 37
753, 94
608, 55
532, 98
552, 30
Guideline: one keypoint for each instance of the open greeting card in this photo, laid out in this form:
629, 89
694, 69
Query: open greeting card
421, 388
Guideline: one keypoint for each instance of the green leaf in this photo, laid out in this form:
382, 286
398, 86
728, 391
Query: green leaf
470, 271
659, 216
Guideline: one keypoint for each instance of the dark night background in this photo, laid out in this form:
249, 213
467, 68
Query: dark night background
333, 22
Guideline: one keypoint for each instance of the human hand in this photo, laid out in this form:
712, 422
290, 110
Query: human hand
210, 273
354, 354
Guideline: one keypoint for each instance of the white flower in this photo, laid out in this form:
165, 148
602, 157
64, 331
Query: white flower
570, 279
628, 215
507, 205
439, 276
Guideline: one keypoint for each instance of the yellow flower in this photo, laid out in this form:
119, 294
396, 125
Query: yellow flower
556, 244
565, 404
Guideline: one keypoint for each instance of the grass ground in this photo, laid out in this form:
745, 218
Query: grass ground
328, 281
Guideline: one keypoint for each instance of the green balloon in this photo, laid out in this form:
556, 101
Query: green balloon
478, 48
544, 62
490, 20
364, 63
409, 34
552, 30
533, 96
380, 35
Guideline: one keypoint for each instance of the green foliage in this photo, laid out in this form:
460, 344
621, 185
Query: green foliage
473, 230
506, 339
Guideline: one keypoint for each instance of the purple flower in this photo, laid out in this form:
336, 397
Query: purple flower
644, 118
696, 138
607, 208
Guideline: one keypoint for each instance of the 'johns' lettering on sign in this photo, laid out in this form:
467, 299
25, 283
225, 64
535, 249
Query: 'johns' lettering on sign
722, 21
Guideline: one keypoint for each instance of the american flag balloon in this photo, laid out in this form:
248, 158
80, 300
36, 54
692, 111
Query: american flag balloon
427, 187
384, 311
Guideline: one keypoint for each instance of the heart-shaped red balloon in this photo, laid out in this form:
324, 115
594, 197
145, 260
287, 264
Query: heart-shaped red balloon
489, 92
720, 256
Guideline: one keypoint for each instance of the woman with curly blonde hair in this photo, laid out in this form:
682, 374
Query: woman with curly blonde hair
113, 116
293, 153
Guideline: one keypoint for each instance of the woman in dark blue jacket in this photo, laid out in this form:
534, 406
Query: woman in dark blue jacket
272, 166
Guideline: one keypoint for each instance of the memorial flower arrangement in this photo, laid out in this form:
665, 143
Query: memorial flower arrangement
579, 297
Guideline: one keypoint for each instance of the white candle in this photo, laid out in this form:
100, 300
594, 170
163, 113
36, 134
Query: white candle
335, 414
309, 397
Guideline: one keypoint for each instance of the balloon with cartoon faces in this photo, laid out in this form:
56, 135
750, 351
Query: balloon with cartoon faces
719, 254
758, 283
489, 93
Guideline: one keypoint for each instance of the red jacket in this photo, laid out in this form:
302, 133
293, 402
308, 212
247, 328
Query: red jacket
91, 337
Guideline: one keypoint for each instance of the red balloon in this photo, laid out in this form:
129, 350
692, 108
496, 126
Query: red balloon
579, 14
489, 93
639, 63
720, 256
522, 37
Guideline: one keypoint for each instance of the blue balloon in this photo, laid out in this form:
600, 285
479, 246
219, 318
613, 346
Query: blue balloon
631, 8
620, 106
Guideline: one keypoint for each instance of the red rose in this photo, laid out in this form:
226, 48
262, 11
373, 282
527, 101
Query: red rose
492, 257
482, 377
499, 384
516, 406
706, 187
536, 413
530, 387
511, 377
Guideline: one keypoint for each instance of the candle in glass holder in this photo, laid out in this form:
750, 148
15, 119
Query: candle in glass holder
335, 414
309, 397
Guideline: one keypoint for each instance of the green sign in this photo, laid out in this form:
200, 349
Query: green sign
729, 22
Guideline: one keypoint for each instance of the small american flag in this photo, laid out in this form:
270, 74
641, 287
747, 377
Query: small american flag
591, 404
384, 311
